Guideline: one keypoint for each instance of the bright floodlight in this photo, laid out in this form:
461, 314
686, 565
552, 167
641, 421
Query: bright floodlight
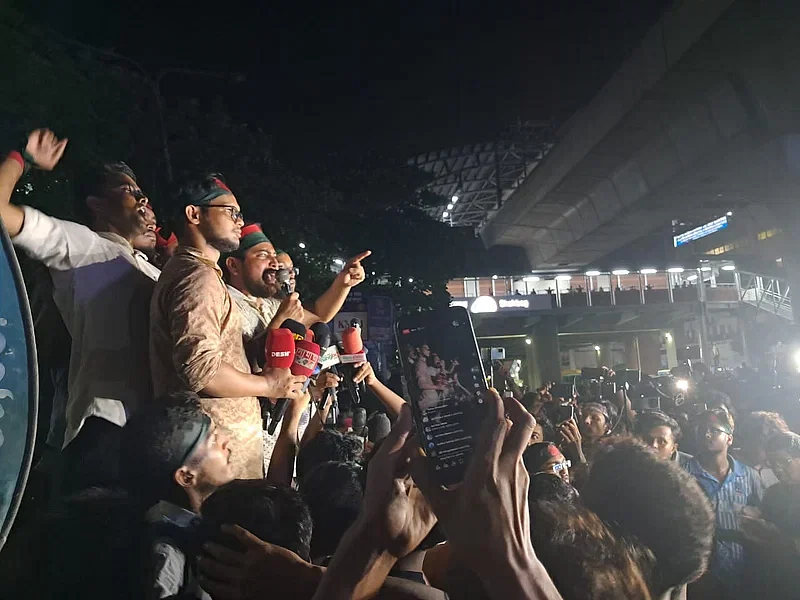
450, 206
620, 272
410, 280
705, 268
338, 261
597, 348
729, 268
668, 336
682, 384
563, 277
454, 199
530, 279
528, 341
729, 213
675, 270
691, 278
592, 273
494, 276
445, 214
648, 271
302, 245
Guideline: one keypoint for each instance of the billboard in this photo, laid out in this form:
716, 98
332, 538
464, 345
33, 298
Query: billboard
700, 232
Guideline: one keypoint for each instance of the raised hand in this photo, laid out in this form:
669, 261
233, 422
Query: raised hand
396, 512
353, 273
290, 308
364, 372
45, 148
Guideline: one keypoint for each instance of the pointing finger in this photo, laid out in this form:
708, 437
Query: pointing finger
359, 257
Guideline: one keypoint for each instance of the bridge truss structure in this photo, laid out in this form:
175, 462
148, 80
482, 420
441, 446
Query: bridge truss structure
474, 180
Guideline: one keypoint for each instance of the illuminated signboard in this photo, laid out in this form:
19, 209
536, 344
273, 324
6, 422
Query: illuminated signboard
700, 232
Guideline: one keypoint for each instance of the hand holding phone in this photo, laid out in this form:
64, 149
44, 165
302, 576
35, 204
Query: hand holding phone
446, 382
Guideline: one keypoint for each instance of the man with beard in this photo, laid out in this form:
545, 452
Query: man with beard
251, 272
195, 330
101, 287
732, 487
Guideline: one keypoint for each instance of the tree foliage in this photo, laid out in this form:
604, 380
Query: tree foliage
337, 206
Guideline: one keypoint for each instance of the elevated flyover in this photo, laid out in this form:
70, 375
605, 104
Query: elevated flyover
701, 119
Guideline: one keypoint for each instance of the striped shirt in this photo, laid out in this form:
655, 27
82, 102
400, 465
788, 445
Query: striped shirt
742, 487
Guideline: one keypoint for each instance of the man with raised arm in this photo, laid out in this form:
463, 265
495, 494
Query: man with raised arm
102, 288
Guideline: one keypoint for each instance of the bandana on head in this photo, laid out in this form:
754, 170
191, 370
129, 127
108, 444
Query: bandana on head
219, 189
596, 407
162, 242
712, 419
252, 235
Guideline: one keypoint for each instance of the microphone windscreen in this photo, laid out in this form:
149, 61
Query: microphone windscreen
280, 349
298, 329
306, 357
283, 276
351, 341
322, 334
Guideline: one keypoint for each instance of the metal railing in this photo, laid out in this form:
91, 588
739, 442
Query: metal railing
770, 294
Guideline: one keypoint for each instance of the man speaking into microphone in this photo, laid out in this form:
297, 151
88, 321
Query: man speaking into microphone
251, 273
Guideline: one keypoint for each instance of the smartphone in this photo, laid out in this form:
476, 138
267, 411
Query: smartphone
446, 385
562, 390
563, 413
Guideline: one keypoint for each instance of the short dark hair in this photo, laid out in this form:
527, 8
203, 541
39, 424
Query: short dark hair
334, 492
757, 427
650, 419
153, 440
584, 558
784, 441
327, 445
91, 182
537, 454
272, 512
656, 502
781, 506
546, 487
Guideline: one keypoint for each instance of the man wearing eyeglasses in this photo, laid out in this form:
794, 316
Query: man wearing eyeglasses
731, 486
195, 329
102, 288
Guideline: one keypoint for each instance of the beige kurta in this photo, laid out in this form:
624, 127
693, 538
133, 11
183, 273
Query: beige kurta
194, 328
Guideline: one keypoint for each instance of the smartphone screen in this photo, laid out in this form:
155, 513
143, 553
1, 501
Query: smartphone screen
446, 383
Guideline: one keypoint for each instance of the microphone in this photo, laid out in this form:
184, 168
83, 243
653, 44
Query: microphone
306, 357
295, 332
353, 353
329, 358
352, 346
284, 279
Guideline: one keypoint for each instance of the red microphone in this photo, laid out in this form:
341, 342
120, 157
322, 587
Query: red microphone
304, 361
353, 346
280, 349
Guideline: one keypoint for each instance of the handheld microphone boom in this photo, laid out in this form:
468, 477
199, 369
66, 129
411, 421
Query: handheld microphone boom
284, 279
329, 359
353, 353
294, 332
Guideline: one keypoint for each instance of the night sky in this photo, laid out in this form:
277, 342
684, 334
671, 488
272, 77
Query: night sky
392, 77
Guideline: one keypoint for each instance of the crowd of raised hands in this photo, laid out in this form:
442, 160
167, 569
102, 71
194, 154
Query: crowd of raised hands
486, 521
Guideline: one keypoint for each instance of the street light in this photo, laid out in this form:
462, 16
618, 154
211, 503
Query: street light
301, 245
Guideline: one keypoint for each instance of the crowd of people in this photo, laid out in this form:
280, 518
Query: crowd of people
169, 487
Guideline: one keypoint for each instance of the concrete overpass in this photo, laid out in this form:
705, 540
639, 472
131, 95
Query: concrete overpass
703, 118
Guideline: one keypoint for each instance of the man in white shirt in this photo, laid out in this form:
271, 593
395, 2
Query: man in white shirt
102, 288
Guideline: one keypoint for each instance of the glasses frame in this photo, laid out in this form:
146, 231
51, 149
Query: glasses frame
235, 214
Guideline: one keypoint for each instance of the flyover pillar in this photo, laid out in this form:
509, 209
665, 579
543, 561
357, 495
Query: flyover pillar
544, 354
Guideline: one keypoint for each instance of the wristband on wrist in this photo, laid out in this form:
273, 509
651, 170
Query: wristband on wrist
30, 162
15, 155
